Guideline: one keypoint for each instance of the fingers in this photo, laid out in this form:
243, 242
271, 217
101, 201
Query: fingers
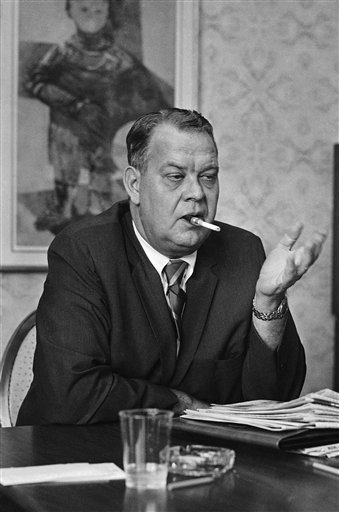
305, 256
301, 259
291, 236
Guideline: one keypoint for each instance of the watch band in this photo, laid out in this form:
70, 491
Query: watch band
277, 314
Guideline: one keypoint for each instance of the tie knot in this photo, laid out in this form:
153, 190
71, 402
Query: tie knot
174, 271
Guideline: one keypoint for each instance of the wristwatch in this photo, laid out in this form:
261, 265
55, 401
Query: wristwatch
277, 314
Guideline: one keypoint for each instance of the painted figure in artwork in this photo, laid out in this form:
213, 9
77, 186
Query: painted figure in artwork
93, 87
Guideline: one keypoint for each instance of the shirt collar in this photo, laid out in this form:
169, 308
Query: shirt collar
159, 261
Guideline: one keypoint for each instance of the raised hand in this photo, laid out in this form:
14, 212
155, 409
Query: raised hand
285, 265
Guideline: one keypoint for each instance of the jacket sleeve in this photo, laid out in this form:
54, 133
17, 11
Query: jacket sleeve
73, 378
274, 375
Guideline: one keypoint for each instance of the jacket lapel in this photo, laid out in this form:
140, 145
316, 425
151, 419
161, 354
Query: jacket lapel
200, 291
151, 293
153, 299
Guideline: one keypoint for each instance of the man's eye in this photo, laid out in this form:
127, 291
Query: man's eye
174, 177
209, 178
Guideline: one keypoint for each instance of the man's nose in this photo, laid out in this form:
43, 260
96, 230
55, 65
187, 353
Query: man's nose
194, 190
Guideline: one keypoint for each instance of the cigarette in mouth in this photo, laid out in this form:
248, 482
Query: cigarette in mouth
199, 222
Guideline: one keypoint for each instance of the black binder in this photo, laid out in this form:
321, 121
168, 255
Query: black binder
285, 440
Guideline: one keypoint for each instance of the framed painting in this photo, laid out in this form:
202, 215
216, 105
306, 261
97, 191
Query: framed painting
75, 74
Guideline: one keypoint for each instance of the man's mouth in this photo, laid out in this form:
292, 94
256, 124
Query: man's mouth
198, 220
189, 216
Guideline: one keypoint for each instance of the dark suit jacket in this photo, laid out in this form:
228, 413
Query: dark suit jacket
106, 340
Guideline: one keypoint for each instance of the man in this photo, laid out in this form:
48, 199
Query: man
110, 336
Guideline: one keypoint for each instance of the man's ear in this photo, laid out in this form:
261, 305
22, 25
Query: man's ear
132, 178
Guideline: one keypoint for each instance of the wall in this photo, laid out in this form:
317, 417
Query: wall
268, 83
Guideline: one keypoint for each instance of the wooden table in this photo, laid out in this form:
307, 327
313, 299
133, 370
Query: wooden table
262, 480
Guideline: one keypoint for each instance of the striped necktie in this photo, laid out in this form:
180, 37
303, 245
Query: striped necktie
174, 271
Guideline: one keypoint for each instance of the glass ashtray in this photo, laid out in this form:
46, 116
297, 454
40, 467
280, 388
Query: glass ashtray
199, 460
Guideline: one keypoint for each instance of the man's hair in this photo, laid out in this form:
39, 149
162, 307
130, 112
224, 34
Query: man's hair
139, 136
114, 11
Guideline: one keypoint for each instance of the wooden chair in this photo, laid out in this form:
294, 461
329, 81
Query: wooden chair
16, 370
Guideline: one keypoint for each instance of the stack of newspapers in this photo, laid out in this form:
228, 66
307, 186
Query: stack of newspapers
319, 410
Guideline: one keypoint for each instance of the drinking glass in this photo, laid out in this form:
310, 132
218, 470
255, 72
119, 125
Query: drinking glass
146, 442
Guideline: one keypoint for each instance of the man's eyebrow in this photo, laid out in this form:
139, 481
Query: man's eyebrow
174, 164
213, 167
210, 168
183, 168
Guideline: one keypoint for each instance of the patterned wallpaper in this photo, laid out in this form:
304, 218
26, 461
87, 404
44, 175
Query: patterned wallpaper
269, 84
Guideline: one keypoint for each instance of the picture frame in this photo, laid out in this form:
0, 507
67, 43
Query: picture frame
23, 247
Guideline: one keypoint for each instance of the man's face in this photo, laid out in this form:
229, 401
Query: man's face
181, 180
89, 16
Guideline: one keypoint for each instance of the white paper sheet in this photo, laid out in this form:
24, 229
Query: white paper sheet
73, 472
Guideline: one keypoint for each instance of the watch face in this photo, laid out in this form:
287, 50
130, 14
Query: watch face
283, 305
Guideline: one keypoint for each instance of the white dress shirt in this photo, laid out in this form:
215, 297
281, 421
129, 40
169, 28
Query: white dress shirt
159, 261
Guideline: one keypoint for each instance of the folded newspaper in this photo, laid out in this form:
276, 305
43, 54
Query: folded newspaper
319, 410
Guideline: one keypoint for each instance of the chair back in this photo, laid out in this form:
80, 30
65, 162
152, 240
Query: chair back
16, 370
